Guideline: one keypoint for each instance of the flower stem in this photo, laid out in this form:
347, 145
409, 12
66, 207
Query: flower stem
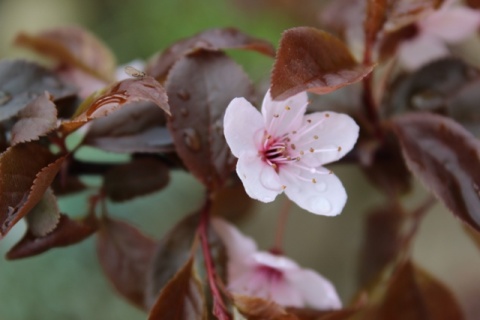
219, 308
370, 106
281, 226
416, 217
368, 98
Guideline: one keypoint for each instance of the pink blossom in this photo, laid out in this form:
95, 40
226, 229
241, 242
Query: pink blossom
88, 84
282, 149
272, 277
447, 26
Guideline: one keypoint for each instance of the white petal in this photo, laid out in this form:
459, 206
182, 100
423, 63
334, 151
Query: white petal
283, 293
332, 135
421, 50
452, 24
283, 116
324, 196
259, 283
243, 126
316, 291
237, 244
260, 180
274, 261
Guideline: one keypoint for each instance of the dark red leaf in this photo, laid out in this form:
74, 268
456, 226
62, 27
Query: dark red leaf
446, 158
115, 97
200, 86
415, 295
63, 185
182, 297
391, 40
382, 241
138, 127
404, 12
125, 255
312, 60
171, 254
214, 40
37, 119
253, 308
463, 107
26, 171
45, 216
232, 202
73, 46
66, 233
348, 314
21, 82
475, 4
4, 144
384, 166
431, 88
139, 177
474, 235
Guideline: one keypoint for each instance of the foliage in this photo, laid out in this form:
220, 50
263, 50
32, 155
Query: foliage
170, 116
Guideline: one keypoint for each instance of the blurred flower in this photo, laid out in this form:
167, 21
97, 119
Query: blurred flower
282, 149
447, 26
272, 277
88, 84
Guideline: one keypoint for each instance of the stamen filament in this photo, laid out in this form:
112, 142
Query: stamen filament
300, 113
306, 128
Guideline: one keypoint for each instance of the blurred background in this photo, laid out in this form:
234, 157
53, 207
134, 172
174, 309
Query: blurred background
68, 283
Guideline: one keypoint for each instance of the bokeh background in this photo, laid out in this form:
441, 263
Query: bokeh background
68, 283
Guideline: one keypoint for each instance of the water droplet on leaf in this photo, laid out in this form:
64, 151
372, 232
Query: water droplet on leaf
32, 95
4, 97
218, 126
52, 82
183, 95
427, 100
192, 139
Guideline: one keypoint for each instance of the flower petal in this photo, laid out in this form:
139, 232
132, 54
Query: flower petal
420, 51
274, 261
260, 180
243, 127
327, 137
319, 193
316, 291
237, 244
283, 116
283, 293
451, 24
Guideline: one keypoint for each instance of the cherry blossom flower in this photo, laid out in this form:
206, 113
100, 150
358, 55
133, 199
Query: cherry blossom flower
447, 26
283, 150
88, 84
272, 277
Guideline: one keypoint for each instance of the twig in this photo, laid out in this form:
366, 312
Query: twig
281, 226
416, 217
219, 308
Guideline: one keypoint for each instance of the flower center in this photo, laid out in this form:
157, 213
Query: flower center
270, 274
296, 142
275, 152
